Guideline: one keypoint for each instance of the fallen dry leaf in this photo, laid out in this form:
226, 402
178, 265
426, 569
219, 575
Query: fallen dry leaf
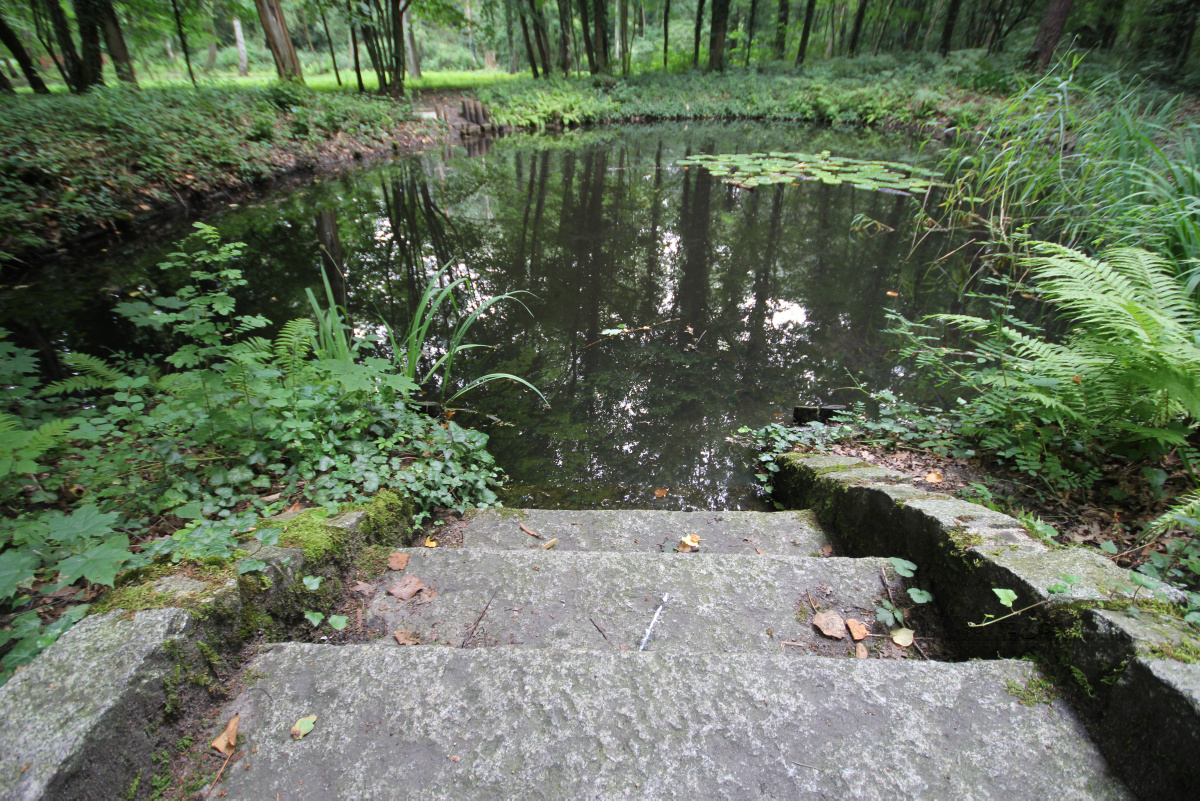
529, 531
406, 637
550, 544
827, 550
227, 740
891, 293
406, 587
689, 543
363, 587
760, 552
303, 726
398, 561
857, 629
830, 623
935, 477
660, 493
455, 758
430, 542
428, 595
270, 498
860, 650
903, 637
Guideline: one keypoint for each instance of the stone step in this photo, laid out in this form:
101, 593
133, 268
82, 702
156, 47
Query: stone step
422, 722
606, 600
643, 530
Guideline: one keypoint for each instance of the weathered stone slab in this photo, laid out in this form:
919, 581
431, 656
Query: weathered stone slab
562, 600
433, 722
76, 718
640, 530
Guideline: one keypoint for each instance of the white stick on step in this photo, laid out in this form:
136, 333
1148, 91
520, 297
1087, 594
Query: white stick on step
657, 612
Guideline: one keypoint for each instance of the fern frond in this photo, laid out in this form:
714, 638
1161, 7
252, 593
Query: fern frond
1186, 507
295, 342
94, 373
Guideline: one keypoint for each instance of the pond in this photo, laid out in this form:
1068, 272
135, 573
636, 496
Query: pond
735, 304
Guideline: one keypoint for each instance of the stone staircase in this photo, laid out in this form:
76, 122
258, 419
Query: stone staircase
528, 680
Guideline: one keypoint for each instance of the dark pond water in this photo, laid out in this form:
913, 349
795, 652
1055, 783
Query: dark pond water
742, 303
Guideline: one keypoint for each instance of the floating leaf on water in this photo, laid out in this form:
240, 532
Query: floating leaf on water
749, 170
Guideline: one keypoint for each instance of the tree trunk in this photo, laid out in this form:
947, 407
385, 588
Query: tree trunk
88, 15
750, 30
623, 25
588, 46
240, 39
71, 67
1048, 34
600, 39
187, 54
716, 35
398, 48
666, 32
696, 37
528, 45
781, 26
410, 45
13, 42
287, 63
948, 28
1185, 25
114, 40
808, 18
5, 86
564, 36
332, 52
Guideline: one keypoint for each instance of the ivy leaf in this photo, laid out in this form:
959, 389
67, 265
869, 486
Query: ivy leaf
268, 536
99, 564
1006, 597
314, 617
189, 511
250, 566
312, 582
16, 568
338, 622
239, 475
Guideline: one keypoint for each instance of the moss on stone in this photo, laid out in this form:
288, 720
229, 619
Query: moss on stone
387, 519
371, 561
310, 532
1038, 690
1186, 650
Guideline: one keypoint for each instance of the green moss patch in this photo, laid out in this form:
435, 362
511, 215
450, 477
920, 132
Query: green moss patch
310, 532
387, 520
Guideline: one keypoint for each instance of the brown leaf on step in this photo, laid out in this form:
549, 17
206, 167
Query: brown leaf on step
430, 542
427, 596
406, 587
660, 493
295, 507
827, 550
550, 544
760, 552
857, 629
363, 587
688, 544
830, 623
406, 637
398, 561
860, 650
529, 531
935, 477
227, 740
455, 758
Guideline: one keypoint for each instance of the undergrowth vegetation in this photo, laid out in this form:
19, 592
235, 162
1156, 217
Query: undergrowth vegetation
178, 457
71, 164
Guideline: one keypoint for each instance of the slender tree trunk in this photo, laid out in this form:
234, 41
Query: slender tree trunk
398, 48
5, 86
717, 35
71, 67
564, 36
948, 28
114, 40
410, 45
808, 18
601, 41
696, 38
781, 26
354, 48
623, 24
750, 30
1186, 26
1048, 34
528, 45
9, 38
287, 63
666, 32
240, 39
588, 45
332, 52
88, 15
187, 53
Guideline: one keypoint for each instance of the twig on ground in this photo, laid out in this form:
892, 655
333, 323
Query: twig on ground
810, 601
602, 634
219, 772
789, 642
475, 626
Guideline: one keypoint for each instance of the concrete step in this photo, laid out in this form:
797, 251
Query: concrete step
796, 533
422, 722
606, 600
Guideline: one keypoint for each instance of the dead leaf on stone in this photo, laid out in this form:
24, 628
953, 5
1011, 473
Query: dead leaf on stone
687, 544
227, 740
406, 587
529, 531
857, 629
550, 544
827, 550
860, 650
406, 637
428, 595
398, 561
935, 477
830, 623
903, 637
363, 587
303, 726
660, 493
430, 542
760, 552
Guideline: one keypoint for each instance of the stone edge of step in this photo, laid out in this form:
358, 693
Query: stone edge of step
1147, 706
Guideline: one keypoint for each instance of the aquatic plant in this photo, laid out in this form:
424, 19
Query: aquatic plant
750, 170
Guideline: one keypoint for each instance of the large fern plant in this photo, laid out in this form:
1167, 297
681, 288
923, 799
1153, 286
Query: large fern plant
1126, 375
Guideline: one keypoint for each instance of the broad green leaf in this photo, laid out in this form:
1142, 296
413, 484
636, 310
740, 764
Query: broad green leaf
99, 564
303, 726
312, 582
338, 622
87, 523
1007, 597
919, 596
903, 566
16, 568
314, 617
251, 566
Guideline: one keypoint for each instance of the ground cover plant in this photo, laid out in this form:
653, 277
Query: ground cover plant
177, 457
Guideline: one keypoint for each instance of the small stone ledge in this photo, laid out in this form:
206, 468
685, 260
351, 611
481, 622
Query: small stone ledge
964, 550
72, 732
